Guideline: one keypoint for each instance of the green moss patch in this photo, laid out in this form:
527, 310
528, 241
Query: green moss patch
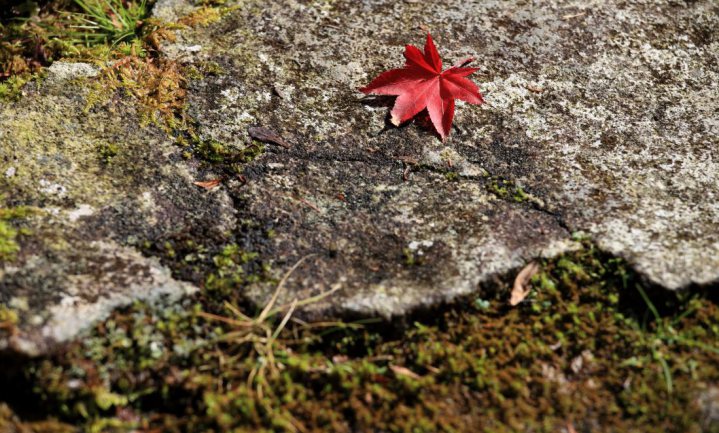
9, 231
590, 347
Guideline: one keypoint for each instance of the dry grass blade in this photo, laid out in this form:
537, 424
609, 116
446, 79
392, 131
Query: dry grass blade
268, 308
306, 301
255, 335
404, 371
236, 311
328, 324
227, 320
284, 321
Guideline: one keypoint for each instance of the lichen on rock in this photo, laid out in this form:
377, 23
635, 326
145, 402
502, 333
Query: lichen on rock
98, 187
598, 119
603, 117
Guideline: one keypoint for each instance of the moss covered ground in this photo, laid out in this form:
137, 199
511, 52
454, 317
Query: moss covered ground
592, 348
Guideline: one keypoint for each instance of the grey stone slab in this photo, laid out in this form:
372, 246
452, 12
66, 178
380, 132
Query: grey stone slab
606, 113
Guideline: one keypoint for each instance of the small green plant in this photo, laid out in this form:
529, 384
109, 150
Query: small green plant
665, 335
106, 21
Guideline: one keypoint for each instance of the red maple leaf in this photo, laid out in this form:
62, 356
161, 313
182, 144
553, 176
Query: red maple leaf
422, 84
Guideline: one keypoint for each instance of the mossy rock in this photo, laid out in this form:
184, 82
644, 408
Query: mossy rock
95, 186
598, 120
591, 124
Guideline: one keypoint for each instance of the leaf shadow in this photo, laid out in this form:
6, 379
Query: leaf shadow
378, 101
422, 119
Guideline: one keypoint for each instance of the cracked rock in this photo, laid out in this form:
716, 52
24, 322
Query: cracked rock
605, 116
599, 119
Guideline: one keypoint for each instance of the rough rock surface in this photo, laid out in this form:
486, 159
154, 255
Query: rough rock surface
607, 114
94, 186
600, 118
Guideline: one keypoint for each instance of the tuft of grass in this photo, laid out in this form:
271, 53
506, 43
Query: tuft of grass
85, 30
106, 21
258, 337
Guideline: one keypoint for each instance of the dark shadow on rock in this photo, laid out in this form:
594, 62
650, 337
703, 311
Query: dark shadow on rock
421, 119
378, 101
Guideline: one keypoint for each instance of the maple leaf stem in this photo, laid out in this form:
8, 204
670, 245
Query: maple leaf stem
463, 62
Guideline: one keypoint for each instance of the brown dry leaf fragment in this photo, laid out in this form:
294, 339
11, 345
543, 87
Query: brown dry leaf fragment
404, 371
115, 22
208, 184
534, 89
521, 283
266, 135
